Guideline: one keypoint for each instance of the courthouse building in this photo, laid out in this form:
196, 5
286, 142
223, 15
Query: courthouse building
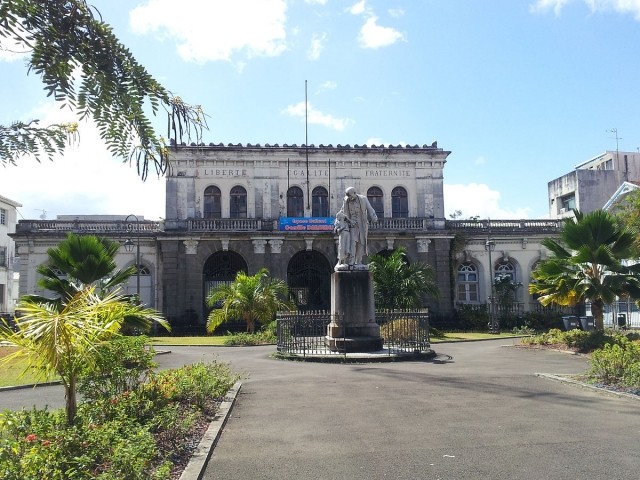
243, 207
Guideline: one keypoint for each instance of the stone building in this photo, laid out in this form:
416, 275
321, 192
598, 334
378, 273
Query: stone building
8, 282
244, 207
590, 185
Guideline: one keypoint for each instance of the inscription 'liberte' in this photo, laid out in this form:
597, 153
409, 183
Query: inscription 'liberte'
224, 172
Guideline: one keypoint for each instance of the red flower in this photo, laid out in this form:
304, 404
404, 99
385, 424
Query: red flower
32, 437
46, 443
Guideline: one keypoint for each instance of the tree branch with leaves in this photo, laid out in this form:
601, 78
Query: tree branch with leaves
85, 67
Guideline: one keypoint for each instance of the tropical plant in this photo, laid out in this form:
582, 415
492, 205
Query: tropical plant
62, 340
84, 67
398, 284
588, 263
627, 210
80, 261
252, 298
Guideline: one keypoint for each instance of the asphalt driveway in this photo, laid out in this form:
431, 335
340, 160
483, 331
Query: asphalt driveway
477, 411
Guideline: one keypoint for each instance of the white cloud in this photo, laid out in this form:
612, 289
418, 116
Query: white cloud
316, 117
544, 5
317, 45
209, 31
328, 85
373, 35
396, 12
86, 180
475, 199
596, 6
12, 50
358, 8
316, 2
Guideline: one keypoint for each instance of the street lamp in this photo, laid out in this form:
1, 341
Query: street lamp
490, 246
128, 246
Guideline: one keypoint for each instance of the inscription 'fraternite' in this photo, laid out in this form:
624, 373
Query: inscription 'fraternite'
387, 173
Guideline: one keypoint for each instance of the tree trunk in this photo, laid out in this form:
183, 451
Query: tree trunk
70, 397
597, 308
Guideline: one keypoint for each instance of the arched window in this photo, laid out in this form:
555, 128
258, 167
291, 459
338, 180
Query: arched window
467, 283
319, 202
295, 202
212, 204
505, 269
374, 195
238, 207
143, 274
399, 203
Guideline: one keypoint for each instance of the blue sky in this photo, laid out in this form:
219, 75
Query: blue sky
519, 91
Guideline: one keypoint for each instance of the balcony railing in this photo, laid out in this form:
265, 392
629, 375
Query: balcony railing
109, 227
541, 226
414, 224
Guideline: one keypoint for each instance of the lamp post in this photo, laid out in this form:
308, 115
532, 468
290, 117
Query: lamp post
128, 245
489, 246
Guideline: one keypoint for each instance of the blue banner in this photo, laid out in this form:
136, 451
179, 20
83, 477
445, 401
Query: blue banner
312, 224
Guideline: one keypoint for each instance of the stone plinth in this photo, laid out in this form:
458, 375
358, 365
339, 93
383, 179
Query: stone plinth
353, 328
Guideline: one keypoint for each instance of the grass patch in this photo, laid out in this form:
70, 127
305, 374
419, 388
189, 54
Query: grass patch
209, 340
11, 373
462, 336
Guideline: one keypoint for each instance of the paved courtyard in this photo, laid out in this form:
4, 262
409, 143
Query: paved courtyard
477, 411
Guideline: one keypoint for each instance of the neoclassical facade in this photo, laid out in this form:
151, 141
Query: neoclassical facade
244, 207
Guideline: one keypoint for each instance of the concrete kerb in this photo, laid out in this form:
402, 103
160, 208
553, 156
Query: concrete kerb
578, 383
197, 464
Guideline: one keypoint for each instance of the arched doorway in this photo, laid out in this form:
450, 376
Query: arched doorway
220, 268
309, 281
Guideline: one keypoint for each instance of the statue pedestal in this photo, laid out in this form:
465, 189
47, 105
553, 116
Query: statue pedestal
353, 328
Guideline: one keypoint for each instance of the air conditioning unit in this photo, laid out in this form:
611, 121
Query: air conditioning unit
563, 211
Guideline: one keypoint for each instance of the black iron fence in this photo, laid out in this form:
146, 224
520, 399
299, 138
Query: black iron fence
304, 333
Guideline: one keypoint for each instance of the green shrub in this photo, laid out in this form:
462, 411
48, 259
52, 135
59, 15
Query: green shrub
266, 336
197, 383
123, 364
631, 376
400, 330
580, 340
114, 450
617, 363
524, 330
130, 434
436, 333
472, 317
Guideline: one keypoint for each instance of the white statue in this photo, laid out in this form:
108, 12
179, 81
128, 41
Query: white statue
355, 213
342, 228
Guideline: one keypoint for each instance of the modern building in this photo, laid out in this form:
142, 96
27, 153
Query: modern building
8, 275
591, 184
243, 207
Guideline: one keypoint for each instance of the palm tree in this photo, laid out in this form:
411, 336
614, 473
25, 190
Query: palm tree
588, 263
80, 261
398, 284
62, 339
250, 297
